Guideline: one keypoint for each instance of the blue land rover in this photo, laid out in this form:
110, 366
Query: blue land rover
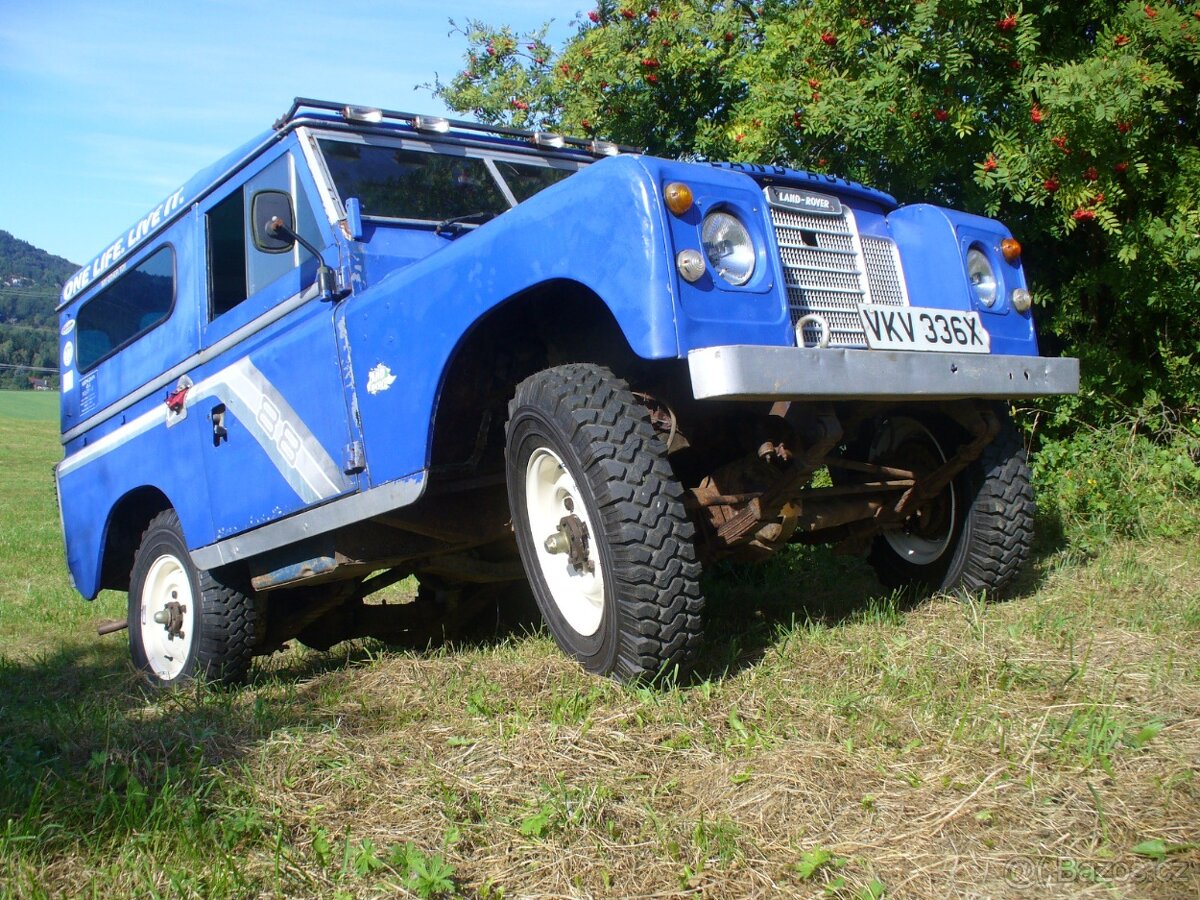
370, 344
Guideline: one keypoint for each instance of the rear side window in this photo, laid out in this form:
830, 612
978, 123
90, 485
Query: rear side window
128, 308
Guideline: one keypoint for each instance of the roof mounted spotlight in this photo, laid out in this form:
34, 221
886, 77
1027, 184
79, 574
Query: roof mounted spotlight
365, 114
435, 124
548, 139
605, 148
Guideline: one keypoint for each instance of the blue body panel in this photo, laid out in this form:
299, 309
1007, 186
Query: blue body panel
933, 242
303, 381
411, 320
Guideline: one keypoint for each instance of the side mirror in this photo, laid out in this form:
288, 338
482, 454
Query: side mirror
268, 211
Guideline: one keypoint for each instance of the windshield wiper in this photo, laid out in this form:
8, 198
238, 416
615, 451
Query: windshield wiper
455, 224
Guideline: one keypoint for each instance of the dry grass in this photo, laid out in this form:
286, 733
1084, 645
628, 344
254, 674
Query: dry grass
955, 750
843, 744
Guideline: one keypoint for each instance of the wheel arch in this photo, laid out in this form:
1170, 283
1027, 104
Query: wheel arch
553, 322
127, 521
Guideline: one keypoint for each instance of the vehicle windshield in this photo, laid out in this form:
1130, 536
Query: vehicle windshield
400, 183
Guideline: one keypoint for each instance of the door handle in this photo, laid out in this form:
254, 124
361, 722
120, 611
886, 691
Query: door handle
220, 432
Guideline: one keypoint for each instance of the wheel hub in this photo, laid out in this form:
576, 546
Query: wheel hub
171, 617
926, 532
572, 538
557, 509
167, 625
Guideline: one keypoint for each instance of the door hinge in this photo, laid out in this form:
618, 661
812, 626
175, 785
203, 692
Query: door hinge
356, 460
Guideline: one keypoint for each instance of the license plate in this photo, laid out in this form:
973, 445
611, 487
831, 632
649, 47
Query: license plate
922, 328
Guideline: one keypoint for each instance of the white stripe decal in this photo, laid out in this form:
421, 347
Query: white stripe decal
267, 416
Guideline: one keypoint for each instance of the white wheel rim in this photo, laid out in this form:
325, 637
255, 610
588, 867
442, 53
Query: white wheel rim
917, 549
166, 583
550, 495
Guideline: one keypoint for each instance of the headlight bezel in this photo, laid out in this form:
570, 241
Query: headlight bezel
982, 277
736, 262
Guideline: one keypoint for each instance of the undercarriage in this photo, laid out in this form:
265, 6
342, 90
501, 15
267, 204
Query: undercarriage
840, 474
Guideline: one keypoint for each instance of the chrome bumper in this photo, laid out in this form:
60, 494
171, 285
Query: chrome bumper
740, 372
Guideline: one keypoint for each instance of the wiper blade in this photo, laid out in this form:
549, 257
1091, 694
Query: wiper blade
455, 224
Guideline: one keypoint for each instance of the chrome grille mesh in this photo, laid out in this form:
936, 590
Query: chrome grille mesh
828, 274
883, 271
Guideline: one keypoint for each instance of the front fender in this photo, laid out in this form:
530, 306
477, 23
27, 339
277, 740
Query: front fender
602, 228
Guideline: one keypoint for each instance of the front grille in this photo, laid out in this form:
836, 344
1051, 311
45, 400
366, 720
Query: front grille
830, 271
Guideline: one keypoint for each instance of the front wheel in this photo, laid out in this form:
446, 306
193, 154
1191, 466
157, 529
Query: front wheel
183, 622
601, 526
977, 533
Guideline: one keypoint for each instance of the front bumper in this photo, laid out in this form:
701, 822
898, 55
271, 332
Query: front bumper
740, 372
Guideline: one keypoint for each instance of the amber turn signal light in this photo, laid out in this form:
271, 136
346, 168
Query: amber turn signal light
1011, 248
678, 197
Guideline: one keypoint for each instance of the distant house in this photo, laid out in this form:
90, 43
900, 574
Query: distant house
39, 384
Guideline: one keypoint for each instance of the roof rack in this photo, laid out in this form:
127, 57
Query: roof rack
369, 115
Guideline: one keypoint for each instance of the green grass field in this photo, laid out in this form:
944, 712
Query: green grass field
841, 742
34, 406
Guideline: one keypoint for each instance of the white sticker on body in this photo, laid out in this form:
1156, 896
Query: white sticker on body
379, 379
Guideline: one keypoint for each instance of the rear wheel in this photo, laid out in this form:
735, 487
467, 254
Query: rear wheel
976, 533
601, 526
183, 622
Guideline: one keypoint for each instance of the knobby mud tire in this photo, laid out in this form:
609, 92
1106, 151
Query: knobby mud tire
994, 527
651, 617
224, 626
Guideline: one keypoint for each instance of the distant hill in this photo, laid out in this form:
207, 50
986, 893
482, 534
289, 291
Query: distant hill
30, 283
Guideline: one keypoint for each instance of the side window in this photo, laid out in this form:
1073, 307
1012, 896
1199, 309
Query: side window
237, 268
526, 180
129, 307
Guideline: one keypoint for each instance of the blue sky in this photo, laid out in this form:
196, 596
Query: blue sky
105, 108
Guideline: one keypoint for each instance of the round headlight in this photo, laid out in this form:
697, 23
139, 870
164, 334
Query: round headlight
728, 247
983, 279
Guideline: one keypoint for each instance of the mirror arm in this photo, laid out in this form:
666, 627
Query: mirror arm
326, 277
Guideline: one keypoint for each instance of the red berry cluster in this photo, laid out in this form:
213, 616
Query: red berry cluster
828, 38
1008, 23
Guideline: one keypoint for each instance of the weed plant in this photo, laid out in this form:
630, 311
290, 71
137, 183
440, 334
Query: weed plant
1137, 477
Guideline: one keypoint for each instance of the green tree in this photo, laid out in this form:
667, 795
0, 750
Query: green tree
1075, 123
